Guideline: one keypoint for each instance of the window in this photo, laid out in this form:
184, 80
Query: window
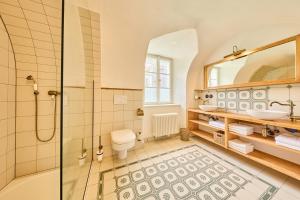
158, 80
214, 77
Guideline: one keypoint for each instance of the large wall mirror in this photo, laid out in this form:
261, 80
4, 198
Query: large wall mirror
272, 64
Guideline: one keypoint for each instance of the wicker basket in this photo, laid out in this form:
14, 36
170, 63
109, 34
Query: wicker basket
219, 137
184, 134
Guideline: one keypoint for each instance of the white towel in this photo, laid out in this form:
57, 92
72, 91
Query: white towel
240, 127
240, 143
218, 124
288, 146
241, 146
288, 139
241, 131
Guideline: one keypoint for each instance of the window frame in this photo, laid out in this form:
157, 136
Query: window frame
158, 84
218, 76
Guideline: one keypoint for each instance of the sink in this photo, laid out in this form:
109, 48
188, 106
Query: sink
208, 107
268, 114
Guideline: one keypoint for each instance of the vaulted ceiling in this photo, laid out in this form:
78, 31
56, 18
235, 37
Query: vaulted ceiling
134, 23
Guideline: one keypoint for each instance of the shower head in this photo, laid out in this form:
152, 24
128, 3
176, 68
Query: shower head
35, 87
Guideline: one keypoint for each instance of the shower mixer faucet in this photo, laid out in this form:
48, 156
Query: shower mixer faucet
53, 93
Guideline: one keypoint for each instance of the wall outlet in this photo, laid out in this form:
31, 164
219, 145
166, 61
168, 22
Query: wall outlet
120, 99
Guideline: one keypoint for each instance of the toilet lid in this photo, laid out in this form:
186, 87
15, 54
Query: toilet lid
122, 136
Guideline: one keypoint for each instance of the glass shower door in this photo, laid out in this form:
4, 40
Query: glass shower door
78, 90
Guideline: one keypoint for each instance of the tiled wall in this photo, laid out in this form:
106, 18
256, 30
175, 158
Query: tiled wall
239, 100
35, 30
7, 109
114, 117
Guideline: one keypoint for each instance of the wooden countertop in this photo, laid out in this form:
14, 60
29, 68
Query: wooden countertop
247, 118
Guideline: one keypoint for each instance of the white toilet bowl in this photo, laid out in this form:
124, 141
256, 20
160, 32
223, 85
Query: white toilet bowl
122, 140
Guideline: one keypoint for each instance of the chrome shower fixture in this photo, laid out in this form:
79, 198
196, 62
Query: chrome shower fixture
53, 92
53, 95
35, 86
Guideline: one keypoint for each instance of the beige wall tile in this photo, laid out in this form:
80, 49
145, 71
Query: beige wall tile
14, 21
45, 164
46, 150
25, 168
36, 17
47, 51
25, 154
31, 5
3, 178
25, 139
11, 10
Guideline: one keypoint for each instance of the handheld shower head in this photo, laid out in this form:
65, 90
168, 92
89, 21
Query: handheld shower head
35, 87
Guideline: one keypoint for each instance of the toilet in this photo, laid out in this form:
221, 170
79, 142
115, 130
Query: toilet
122, 140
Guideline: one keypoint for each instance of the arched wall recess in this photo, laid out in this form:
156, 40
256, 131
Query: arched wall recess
182, 47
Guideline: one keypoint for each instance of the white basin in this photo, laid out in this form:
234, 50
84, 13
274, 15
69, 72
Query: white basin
267, 114
208, 107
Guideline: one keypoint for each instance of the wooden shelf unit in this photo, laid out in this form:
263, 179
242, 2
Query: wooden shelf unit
269, 141
289, 168
204, 123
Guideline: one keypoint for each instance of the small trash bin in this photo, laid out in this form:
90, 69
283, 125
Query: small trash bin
184, 134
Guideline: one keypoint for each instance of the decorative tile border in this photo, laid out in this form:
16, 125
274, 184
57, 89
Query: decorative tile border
248, 98
241, 100
143, 186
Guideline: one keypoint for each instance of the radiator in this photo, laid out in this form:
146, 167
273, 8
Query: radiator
165, 124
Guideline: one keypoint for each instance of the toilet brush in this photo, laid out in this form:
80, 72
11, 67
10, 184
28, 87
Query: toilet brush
100, 151
83, 154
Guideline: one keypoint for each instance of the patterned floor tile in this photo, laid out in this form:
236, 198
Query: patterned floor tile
188, 173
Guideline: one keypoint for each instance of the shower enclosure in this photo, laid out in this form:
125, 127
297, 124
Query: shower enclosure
30, 82
49, 102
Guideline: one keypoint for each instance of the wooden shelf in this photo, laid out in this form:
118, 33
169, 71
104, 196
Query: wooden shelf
247, 118
273, 162
280, 164
266, 140
205, 135
206, 124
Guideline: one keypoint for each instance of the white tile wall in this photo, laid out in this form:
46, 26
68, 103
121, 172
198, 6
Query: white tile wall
34, 28
114, 116
7, 109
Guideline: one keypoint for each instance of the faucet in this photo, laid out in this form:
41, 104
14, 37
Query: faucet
291, 105
204, 101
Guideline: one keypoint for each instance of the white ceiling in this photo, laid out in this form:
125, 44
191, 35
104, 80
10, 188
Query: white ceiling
130, 25
177, 45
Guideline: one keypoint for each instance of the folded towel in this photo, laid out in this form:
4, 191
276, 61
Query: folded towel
288, 145
240, 143
218, 124
241, 146
288, 139
241, 131
240, 126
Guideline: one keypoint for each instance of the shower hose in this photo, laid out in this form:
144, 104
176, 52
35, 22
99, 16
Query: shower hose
36, 119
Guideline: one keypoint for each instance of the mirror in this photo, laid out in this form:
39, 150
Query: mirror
274, 63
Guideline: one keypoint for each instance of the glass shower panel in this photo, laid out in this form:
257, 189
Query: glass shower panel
81, 41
